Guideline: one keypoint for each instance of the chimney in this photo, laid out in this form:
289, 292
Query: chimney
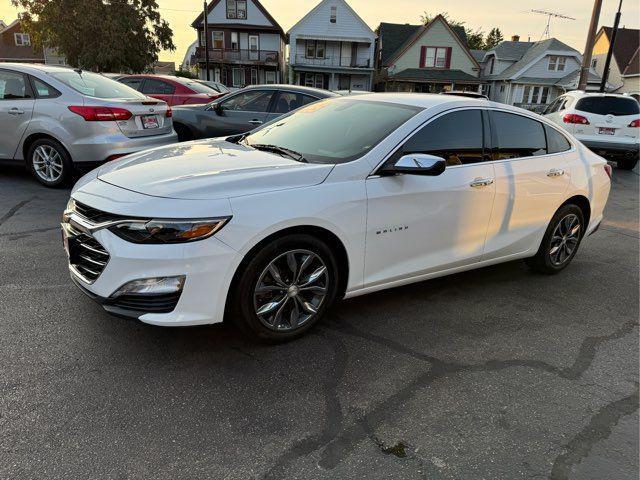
515, 38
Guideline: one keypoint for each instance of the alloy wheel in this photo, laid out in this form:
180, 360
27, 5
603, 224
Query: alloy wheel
565, 239
47, 163
290, 290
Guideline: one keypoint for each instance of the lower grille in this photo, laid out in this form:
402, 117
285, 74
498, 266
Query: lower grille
87, 256
147, 303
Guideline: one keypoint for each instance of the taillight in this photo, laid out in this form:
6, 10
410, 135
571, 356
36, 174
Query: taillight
101, 114
635, 123
169, 112
574, 118
608, 169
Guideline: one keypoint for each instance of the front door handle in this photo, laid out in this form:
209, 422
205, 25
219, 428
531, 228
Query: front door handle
15, 111
255, 122
481, 182
555, 172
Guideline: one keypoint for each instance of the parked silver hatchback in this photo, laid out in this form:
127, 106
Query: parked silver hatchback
55, 118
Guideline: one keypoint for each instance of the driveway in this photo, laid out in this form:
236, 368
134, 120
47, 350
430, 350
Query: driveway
494, 374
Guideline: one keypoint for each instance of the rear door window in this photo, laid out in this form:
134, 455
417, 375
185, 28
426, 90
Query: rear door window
250, 101
44, 90
615, 106
556, 142
153, 86
518, 136
288, 101
135, 83
457, 137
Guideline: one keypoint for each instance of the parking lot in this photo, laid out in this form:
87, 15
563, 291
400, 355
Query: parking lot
493, 374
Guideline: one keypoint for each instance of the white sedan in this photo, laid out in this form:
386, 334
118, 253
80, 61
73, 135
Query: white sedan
343, 197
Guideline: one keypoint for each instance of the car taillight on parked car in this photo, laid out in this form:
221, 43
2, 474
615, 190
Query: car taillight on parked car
169, 112
574, 118
608, 169
635, 123
101, 114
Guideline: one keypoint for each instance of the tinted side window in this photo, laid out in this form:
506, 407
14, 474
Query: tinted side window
288, 101
518, 136
13, 86
554, 106
556, 142
157, 87
251, 101
608, 106
43, 90
135, 83
457, 137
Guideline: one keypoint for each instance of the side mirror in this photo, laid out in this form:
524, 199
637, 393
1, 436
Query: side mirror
416, 164
216, 107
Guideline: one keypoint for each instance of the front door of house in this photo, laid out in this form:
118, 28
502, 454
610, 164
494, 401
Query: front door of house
254, 47
345, 54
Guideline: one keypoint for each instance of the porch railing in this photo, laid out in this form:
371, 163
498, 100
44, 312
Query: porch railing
339, 61
237, 56
533, 107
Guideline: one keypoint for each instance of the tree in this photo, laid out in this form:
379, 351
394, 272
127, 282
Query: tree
100, 35
493, 38
475, 40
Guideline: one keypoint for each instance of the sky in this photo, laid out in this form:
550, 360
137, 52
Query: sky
512, 17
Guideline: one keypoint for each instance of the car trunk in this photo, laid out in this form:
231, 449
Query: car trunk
148, 116
609, 118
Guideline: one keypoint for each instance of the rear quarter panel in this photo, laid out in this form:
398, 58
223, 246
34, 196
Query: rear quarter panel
590, 180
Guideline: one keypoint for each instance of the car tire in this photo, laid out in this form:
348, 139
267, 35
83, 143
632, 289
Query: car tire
272, 302
560, 242
628, 163
49, 163
184, 134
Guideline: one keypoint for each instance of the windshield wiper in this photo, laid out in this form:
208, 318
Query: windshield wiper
237, 138
276, 149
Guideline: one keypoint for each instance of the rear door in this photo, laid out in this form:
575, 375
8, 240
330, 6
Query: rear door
160, 89
16, 110
241, 112
532, 174
609, 118
285, 101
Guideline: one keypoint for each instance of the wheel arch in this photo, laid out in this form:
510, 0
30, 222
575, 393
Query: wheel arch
32, 137
583, 204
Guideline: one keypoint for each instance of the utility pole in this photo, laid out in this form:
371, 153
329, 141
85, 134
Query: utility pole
206, 43
588, 49
612, 42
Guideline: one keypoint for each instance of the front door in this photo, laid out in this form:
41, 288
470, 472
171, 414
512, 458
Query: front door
345, 54
419, 224
254, 47
532, 175
238, 113
16, 110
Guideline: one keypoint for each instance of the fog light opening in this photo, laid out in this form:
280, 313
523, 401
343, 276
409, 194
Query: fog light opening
151, 286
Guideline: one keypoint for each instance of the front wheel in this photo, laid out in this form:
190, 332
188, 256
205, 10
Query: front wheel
560, 242
285, 288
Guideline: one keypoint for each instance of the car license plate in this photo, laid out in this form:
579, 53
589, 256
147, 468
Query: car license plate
606, 131
150, 121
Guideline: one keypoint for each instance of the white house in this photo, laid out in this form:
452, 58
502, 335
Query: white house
532, 74
332, 47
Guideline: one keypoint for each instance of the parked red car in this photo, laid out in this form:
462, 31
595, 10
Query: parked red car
173, 90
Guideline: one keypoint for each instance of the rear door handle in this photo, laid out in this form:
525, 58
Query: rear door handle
481, 182
555, 172
15, 111
255, 122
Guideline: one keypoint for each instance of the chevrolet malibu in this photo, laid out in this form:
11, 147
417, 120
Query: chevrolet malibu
340, 198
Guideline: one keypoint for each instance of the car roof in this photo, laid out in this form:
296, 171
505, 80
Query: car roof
35, 67
581, 94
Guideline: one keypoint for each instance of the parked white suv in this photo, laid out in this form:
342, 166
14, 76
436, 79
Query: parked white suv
607, 124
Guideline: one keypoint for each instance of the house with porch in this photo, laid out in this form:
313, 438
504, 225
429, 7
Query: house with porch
425, 58
624, 75
331, 47
532, 74
246, 44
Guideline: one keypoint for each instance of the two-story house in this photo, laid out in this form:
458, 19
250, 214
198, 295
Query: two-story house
246, 44
16, 46
624, 75
424, 58
532, 74
332, 47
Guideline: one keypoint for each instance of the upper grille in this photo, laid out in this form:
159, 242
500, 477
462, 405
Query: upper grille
93, 214
86, 255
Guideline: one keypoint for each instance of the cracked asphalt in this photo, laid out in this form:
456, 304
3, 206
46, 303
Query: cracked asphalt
494, 374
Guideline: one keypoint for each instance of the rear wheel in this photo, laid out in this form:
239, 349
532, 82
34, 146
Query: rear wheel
560, 242
49, 163
285, 288
184, 134
628, 163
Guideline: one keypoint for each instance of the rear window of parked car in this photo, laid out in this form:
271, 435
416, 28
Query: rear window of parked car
94, 85
518, 136
608, 106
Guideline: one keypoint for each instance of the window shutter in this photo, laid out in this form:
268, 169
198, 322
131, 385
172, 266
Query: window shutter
423, 56
448, 60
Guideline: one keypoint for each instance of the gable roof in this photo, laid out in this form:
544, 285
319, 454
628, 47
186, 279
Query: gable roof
404, 41
478, 54
257, 3
392, 37
627, 40
312, 12
634, 65
532, 52
509, 50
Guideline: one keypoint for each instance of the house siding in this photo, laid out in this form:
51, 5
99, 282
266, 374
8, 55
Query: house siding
540, 69
218, 14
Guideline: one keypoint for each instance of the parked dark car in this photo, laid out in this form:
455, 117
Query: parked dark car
173, 90
242, 111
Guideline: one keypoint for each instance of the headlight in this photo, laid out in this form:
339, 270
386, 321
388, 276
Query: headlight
168, 231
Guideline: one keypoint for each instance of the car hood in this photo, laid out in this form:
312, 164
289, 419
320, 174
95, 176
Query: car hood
209, 169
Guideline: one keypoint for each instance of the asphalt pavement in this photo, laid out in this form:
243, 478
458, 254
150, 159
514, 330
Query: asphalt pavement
498, 373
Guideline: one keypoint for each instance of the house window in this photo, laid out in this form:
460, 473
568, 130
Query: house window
238, 77
315, 48
535, 95
237, 9
557, 64
493, 61
218, 40
334, 14
501, 88
235, 45
22, 39
314, 80
594, 63
216, 75
269, 77
254, 76
435, 57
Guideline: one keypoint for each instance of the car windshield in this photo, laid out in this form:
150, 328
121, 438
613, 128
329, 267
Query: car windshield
335, 130
616, 106
95, 85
